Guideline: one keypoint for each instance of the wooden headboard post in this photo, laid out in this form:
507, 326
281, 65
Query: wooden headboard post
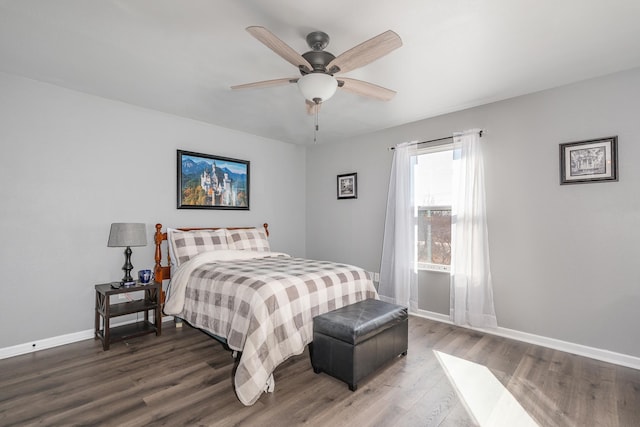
161, 273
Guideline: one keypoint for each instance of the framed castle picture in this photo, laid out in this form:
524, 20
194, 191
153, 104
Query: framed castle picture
212, 182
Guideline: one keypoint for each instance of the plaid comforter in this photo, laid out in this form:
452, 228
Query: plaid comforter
264, 308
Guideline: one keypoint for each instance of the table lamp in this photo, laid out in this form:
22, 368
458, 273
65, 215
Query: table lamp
126, 235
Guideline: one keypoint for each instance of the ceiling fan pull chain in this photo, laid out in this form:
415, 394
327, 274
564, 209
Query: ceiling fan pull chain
316, 128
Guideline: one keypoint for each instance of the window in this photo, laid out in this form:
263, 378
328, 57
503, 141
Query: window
433, 177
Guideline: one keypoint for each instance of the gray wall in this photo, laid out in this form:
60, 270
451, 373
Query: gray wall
563, 258
71, 164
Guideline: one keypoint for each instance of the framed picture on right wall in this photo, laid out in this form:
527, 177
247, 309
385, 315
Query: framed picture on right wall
593, 160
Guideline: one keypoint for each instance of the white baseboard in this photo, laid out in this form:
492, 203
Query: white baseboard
43, 344
578, 349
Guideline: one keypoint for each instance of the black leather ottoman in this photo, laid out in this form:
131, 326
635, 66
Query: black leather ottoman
353, 341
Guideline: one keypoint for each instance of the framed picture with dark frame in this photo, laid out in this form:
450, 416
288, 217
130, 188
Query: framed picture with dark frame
594, 160
348, 186
212, 182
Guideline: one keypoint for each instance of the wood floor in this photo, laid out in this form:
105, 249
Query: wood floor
184, 378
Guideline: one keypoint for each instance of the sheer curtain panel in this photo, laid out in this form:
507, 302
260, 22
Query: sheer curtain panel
398, 275
471, 287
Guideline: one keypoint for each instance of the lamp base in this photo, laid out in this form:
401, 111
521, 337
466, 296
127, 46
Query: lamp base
127, 280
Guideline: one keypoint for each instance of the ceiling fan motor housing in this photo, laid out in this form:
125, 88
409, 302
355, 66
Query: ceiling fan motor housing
319, 59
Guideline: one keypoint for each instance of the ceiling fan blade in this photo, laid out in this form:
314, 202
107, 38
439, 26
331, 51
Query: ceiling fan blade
366, 52
266, 83
312, 107
269, 39
366, 89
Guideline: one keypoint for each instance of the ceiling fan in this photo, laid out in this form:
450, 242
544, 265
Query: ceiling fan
318, 67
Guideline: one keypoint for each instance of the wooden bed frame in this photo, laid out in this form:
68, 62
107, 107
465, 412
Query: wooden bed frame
161, 272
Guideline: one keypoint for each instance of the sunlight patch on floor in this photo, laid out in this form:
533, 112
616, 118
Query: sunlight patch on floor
485, 398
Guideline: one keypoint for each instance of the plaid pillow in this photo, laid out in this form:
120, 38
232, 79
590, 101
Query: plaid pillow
187, 244
249, 239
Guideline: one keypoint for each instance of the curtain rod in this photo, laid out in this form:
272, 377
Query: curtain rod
434, 140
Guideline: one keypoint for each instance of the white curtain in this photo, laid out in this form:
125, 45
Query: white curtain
471, 288
398, 275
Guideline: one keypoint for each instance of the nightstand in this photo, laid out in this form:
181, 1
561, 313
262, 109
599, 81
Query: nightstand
105, 310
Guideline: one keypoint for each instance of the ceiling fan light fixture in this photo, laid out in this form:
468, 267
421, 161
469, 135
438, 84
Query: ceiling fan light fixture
314, 86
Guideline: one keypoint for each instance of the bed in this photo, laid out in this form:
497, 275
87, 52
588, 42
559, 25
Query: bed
260, 303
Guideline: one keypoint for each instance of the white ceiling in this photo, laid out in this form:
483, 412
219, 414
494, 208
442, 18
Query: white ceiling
181, 56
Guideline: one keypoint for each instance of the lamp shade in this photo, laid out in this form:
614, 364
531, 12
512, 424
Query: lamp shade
317, 86
127, 234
